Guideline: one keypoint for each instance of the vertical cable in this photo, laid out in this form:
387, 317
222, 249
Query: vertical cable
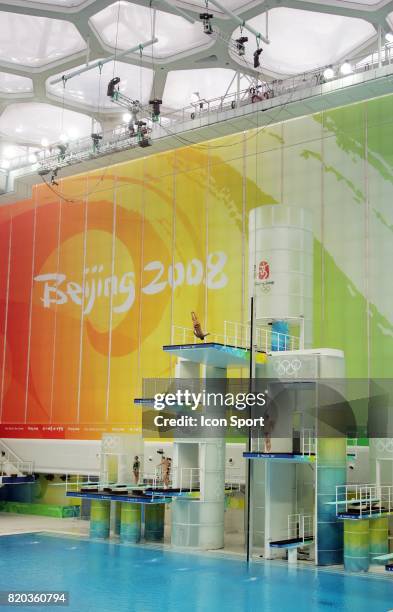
55, 315
31, 306
113, 257
6, 316
86, 203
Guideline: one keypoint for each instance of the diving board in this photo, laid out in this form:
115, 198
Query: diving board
137, 499
291, 457
215, 354
383, 558
352, 502
292, 543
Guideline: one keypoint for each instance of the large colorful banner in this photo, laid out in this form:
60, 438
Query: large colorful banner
99, 273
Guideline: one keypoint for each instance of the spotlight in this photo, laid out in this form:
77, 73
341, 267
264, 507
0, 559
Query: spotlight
4, 164
62, 151
32, 158
257, 53
240, 46
96, 138
345, 68
44, 142
207, 26
54, 183
112, 87
389, 37
328, 73
155, 108
126, 117
63, 137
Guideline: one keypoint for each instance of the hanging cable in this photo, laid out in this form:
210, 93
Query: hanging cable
117, 37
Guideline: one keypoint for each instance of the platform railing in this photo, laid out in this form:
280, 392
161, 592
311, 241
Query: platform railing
365, 499
307, 441
238, 335
11, 461
74, 483
234, 478
300, 526
211, 110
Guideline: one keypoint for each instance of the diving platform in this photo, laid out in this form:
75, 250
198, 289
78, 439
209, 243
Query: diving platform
283, 457
215, 354
24, 479
131, 499
292, 543
363, 501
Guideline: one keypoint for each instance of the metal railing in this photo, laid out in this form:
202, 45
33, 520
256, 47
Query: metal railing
364, 499
214, 109
300, 526
11, 462
234, 478
307, 442
238, 335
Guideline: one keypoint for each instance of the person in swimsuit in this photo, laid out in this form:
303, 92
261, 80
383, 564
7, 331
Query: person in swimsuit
166, 471
136, 469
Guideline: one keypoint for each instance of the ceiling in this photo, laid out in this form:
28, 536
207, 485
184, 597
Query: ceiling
44, 39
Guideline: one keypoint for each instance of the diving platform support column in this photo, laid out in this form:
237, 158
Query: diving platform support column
199, 523
331, 471
130, 522
356, 545
379, 537
154, 522
100, 511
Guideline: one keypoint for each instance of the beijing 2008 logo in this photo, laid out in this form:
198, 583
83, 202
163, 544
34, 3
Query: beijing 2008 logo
263, 270
264, 284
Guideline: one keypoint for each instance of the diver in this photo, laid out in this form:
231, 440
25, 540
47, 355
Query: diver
136, 469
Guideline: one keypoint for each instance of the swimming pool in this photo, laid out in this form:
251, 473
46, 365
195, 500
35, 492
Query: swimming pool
105, 577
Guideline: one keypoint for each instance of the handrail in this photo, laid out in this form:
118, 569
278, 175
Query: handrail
119, 139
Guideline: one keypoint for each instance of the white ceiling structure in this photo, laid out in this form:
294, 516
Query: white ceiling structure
44, 39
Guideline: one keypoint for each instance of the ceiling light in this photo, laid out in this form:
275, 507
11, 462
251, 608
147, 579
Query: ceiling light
126, 117
44, 142
73, 133
389, 37
328, 73
4, 164
9, 152
345, 68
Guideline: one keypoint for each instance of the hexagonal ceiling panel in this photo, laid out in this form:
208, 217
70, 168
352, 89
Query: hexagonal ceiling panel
36, 41
14, 84
8, 152
130, 24
64, 3
31, 121
304, 40
90, 88
366, 2
185, 86
233, 5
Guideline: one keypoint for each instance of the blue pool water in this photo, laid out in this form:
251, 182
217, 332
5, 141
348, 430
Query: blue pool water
114, 578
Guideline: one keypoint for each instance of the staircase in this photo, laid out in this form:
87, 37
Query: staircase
13, 470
